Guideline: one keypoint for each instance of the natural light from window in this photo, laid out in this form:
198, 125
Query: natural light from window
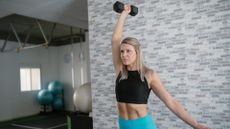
30, 79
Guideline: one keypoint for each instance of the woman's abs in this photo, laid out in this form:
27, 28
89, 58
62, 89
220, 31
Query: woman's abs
131, 111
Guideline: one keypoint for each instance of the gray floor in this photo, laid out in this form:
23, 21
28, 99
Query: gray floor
51, 121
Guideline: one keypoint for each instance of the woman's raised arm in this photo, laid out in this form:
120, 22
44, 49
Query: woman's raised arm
116, 38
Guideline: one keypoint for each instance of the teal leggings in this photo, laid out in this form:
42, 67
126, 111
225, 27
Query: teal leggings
145, 122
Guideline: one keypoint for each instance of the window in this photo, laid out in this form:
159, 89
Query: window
30, 79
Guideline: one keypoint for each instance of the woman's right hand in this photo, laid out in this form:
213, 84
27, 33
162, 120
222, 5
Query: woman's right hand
127, 9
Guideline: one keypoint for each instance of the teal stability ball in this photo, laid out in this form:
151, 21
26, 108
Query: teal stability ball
55, 87
45, 97
58, 104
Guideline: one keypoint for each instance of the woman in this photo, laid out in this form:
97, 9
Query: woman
135, 81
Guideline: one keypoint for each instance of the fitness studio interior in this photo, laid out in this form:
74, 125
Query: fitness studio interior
56, 69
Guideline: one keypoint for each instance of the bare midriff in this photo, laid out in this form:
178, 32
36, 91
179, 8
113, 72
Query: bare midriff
131, 111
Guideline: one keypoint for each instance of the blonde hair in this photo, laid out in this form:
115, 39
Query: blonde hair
142, 69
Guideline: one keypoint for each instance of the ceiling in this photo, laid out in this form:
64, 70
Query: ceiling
56, 22
24, 29
67, 12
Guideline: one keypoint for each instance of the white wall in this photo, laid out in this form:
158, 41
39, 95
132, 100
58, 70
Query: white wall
17, 104
13, 102
78, 65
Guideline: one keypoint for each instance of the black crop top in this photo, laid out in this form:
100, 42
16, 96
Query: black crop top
132, 89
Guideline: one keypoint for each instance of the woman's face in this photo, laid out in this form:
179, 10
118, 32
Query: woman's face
128, 54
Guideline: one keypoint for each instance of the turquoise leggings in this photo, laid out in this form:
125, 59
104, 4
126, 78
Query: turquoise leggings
145, 122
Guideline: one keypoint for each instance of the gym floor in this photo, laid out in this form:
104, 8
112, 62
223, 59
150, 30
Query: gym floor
44, 121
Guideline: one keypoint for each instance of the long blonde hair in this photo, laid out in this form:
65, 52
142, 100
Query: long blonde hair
142, 69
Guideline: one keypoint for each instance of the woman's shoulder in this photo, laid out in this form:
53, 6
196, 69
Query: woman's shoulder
149, 73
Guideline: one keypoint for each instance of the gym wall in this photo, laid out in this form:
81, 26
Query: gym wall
55, 63
78, 70
15, 104
187, 42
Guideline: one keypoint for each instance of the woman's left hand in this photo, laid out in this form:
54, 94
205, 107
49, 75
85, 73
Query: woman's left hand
199, 126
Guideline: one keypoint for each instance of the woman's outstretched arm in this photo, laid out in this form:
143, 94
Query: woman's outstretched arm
116, 38
171, 103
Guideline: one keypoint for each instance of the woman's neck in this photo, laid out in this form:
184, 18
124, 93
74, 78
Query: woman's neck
132, 67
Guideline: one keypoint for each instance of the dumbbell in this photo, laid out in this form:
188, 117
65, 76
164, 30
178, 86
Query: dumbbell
119, 7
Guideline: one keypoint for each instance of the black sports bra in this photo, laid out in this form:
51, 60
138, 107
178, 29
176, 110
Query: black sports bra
132, 89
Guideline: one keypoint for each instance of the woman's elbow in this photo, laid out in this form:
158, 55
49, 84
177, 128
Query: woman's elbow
116, 39
171, 104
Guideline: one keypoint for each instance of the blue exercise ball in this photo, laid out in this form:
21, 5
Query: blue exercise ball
55, 87
58, 104
45, 97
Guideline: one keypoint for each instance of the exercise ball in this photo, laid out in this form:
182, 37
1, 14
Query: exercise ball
55, 87
45, 97
57, 104
82, 98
